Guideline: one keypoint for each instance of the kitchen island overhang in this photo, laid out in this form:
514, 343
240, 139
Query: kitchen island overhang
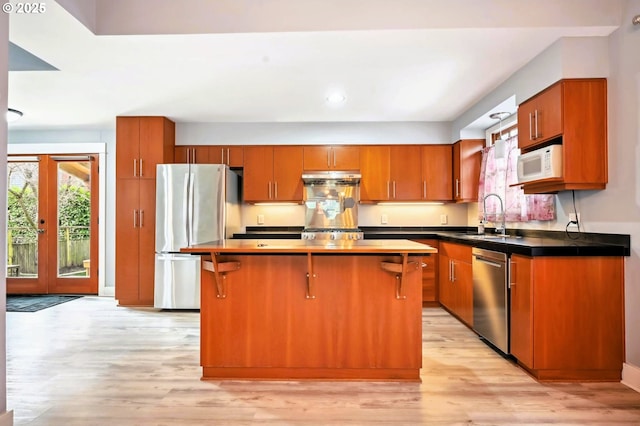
340, 310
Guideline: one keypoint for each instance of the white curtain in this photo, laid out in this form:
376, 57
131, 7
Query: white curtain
496, 177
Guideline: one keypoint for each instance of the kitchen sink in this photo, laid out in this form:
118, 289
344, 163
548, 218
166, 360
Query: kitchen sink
493, 237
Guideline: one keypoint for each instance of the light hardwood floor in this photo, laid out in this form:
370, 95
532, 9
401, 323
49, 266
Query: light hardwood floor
89, 362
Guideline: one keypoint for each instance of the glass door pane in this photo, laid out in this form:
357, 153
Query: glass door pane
74, 218
22, 219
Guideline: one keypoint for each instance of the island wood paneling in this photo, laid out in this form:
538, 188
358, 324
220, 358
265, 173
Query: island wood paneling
354, 327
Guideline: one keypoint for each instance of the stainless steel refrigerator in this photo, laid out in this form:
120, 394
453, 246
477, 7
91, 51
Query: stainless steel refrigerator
195, 203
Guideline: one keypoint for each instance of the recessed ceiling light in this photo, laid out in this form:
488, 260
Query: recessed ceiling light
13, 114
336, 98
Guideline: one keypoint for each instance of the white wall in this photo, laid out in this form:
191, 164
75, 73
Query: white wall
312, 133
618, 208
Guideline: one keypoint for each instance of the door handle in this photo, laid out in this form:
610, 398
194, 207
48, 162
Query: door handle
135, 218
141, 167
135, 167
40, 230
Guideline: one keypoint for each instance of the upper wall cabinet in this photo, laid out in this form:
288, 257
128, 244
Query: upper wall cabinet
142, 143
572, 113
467, 157
437, 172
405, 173
272, 173
197, 154
232, 156
390, 173
339, 157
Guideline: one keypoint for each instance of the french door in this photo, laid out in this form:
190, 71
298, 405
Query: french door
52, 224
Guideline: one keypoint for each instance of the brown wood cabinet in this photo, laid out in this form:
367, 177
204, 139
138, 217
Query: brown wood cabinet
232, 156
146, 142
437, 172
430, 275
571, 112
141, 144
376, 169
540, 118
567, 316
455, 280
392, 173
467, 158
196, 154
273, 173
334, 157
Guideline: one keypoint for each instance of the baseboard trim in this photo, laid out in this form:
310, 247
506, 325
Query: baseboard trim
631, 376
6, 418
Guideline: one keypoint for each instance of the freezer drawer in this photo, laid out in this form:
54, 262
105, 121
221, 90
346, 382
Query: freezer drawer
177, 281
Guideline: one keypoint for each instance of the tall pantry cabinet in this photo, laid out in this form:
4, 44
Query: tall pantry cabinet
141, 144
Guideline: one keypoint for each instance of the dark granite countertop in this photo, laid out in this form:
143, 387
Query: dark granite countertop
524, 242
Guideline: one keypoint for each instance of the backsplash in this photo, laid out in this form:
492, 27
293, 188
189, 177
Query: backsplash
368, 215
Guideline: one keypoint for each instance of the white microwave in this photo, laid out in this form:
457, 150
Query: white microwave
543, 163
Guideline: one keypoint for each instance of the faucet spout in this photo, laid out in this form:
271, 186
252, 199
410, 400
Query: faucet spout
503, 226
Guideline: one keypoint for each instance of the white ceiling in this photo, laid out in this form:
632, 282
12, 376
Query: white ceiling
426, 62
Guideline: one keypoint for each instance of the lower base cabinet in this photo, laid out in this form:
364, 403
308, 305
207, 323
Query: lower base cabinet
455, 280
567, 317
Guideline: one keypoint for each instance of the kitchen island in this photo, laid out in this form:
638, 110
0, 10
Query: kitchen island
294, 309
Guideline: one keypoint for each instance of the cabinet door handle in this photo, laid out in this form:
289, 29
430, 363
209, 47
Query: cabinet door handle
334, 157
530, 127
453, 271
394, 189
275, 190
135, 167
222, 155
512, 266
329, 157
424, 189
141, 218
270, 190
388, 190
228, 163
141, 167
457, 187
194, 156
188, 154
135, 218
536, 115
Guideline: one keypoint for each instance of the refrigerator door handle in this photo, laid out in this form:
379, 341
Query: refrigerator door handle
191, 208
186, 211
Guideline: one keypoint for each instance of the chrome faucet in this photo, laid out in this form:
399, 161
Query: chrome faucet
503, 228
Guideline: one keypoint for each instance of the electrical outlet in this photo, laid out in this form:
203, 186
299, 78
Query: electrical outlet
443, 219
572, 217
260, 219
384, 219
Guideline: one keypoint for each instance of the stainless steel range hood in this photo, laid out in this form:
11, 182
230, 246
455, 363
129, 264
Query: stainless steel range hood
342, 177
331, 199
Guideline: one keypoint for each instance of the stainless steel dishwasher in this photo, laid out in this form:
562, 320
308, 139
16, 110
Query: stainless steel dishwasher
491, 297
